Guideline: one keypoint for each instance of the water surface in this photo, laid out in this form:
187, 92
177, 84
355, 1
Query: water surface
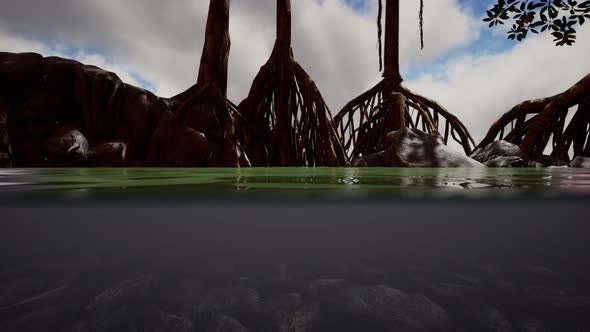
295, 182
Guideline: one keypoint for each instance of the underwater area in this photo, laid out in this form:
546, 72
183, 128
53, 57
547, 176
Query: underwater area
294, 249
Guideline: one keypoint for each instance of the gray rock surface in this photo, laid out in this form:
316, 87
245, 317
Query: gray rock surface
67, 143
207, 321
230, 300
414, 148
384, 308
502, 154
126, 292
580, 162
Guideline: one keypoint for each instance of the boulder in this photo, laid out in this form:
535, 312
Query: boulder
109, 154
301, 320
175, 145
485, 317
44, 319
5, 150
126, 293
382, 308
234, 301
121, 123
414, 148
67, 145
580, 162
136, 318
206, 321
283, 302
502, 154
20, 75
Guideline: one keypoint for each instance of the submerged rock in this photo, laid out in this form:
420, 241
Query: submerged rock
235, 300
382, 308
207, 321
128, 292
580, 162
414, 148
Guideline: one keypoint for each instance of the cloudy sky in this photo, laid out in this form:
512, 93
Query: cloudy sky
471, 70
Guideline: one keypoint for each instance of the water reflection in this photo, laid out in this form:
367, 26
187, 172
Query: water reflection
426, 182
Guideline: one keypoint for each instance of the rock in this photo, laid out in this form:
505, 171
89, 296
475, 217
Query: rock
233, 301
20, 75
509, 161
126, 293
367, 274
109, 154
135, 114
206, 321
414, 148
580, 162
557, 297
5, 150
542, 271
298, 321
325, 288
534, 326
382, 308
32, 304
67, 145
284, 302
174, 145
41, 320
487, 318
503, 154
116, 119
552, 162
19, 290
136, 318
179, 295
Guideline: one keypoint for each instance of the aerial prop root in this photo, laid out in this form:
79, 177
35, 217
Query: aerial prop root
287, 121
532, 123
363, 123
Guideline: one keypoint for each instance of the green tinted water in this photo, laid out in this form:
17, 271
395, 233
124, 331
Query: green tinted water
329, 182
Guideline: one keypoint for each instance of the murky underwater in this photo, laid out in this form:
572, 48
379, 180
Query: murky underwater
294, 250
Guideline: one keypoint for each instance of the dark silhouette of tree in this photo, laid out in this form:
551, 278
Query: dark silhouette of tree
560, 17
389, 106
532, 124
287, 122
204, 106
536, 124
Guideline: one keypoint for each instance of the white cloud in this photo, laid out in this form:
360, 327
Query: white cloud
480, 88
162, 41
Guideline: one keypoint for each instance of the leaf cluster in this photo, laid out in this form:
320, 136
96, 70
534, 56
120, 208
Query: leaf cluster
560, 17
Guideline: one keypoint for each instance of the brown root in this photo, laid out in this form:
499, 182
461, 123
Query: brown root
363, 123
204, 107
287, 122
533, 123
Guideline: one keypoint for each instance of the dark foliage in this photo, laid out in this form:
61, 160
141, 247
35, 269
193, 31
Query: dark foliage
559, 17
